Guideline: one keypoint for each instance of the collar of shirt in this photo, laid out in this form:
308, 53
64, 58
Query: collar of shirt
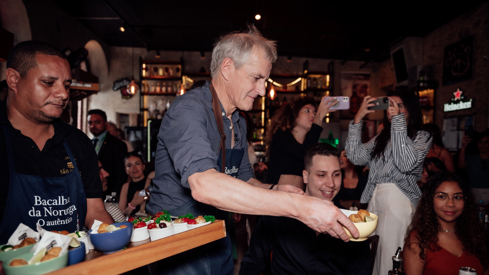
208, 95
101, 136
61, 129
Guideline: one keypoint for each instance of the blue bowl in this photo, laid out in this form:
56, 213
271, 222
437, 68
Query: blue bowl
76, 255
112, 241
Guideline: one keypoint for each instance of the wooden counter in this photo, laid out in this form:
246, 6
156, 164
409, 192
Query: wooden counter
145, 252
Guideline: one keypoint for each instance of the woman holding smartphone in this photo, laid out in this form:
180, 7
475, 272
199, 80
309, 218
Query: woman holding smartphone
395, 158
294, 128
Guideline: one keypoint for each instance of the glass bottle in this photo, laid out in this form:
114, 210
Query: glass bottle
354, 101
158, 87
396, 263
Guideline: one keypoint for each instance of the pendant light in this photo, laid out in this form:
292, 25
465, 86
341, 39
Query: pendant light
272, 93
132, 88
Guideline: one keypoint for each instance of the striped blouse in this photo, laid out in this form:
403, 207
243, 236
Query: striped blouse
401, 164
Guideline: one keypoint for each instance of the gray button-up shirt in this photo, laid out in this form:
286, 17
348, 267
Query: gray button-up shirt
188, 143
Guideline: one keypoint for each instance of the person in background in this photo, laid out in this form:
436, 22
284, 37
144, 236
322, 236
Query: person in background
477, 166
118, 133
437, 149
130, 202
113, 210
435, 165
296, 248
294, 128
41, 157
395, 158
353, 183
191, 175
445, 233
110, 151
425, 176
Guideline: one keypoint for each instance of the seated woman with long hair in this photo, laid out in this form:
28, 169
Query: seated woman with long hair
130, 202
438, 150
294, 128
353, 183
445, 233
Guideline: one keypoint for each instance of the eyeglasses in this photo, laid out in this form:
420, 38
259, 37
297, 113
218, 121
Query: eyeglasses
443, 198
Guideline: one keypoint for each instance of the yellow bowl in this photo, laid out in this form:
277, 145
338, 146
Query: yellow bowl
364, 228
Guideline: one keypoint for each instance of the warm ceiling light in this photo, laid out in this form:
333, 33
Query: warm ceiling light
258, 17
132, 88
122, 29
182, 89
272, 93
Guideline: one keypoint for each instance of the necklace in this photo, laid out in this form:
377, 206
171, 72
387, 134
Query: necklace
448, 231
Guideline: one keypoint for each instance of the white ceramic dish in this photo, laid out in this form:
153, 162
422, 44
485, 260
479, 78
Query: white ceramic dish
160, 233
193, 226
140, 234
179, 227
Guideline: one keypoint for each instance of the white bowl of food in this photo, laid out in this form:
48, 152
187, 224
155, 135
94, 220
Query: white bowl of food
160, 230
179, 226
365, 222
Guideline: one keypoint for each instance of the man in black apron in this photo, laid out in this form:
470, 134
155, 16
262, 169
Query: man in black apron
48, 169
202, 164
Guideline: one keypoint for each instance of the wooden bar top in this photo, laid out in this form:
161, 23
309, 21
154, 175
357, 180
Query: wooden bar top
145, 252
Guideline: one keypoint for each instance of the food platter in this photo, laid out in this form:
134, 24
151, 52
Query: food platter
144, 253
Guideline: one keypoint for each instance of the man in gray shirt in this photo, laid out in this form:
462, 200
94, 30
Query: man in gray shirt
188, 157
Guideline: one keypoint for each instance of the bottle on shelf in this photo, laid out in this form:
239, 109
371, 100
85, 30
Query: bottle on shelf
354, 102
158, 87
163, 88
396, 263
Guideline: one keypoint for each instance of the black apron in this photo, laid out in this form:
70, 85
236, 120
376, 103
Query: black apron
216, 257
56, 203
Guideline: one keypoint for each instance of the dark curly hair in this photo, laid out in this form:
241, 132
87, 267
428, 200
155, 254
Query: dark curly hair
425, 224
284, 118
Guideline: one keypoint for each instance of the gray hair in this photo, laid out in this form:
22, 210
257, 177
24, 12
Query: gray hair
238, 45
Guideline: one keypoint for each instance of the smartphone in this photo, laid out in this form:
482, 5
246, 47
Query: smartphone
381, 103
342, 104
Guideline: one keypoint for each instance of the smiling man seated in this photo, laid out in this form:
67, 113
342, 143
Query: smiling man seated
297, 249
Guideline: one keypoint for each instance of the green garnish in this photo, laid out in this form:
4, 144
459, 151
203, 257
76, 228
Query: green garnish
78, 234
210, 218
165, 217
7, 248
189, 216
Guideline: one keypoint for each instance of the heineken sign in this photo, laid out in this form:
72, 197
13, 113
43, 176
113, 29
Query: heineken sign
456, 103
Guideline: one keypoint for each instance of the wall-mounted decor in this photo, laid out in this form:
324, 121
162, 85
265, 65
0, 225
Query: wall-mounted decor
458, 61
457, 103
